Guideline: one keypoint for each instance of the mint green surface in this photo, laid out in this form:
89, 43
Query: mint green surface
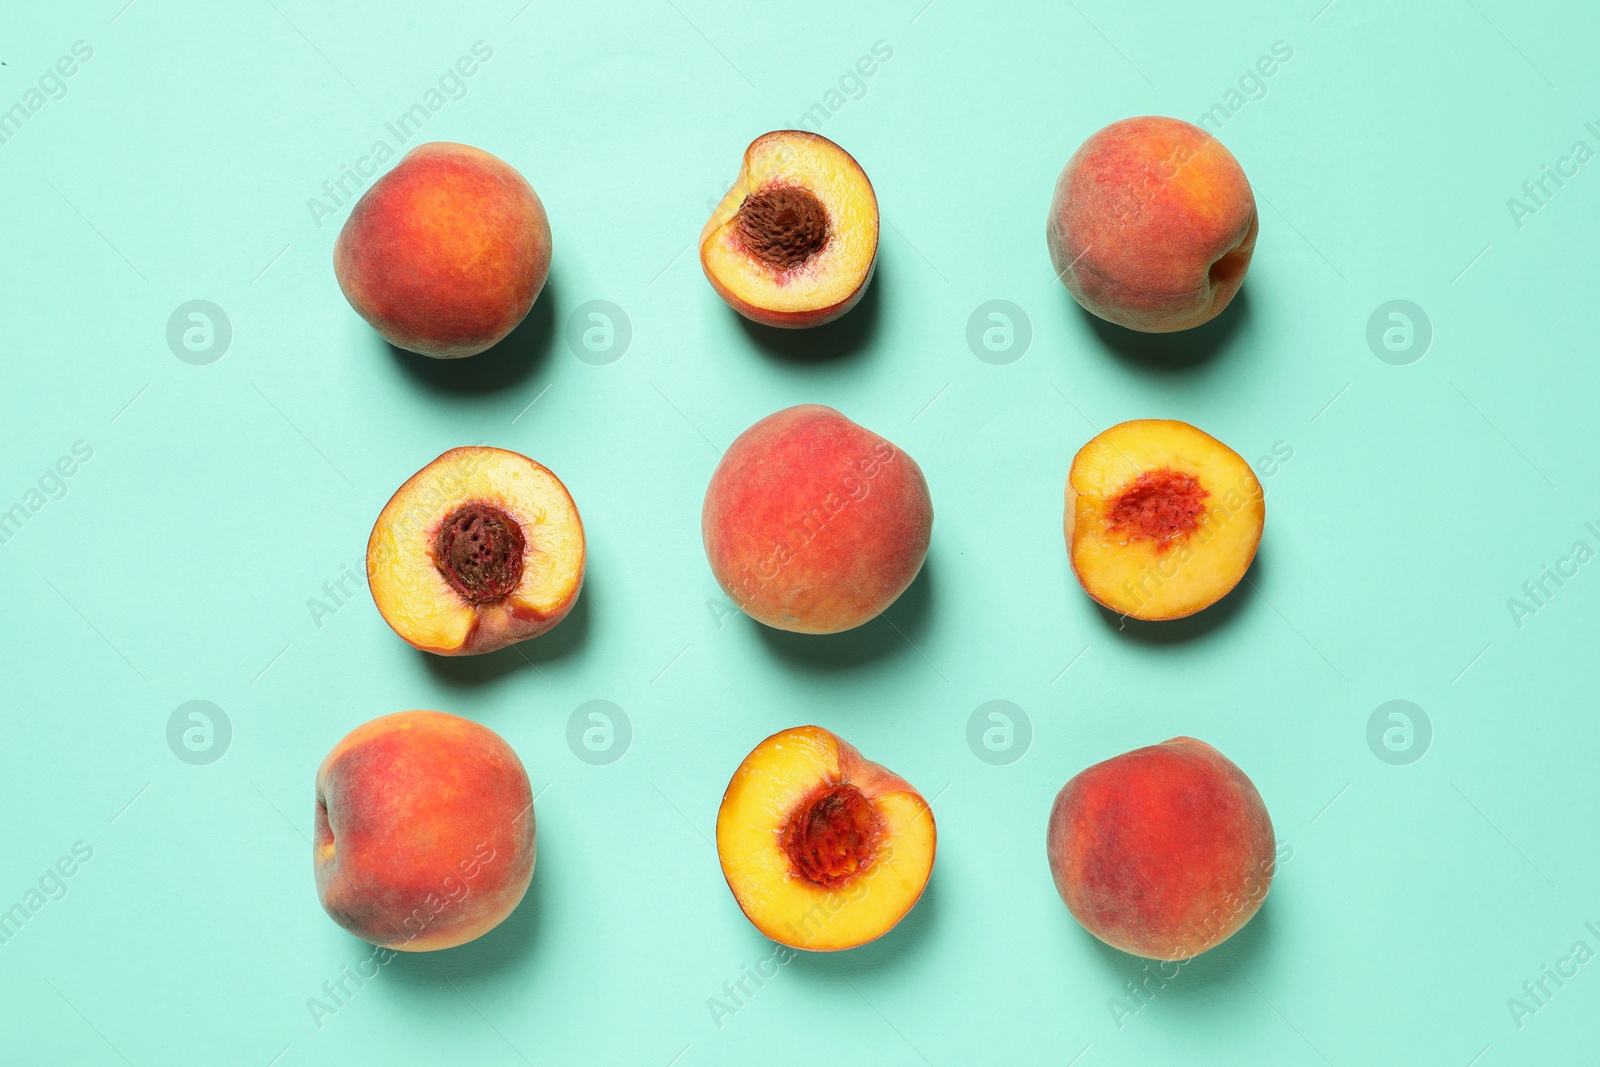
179, 561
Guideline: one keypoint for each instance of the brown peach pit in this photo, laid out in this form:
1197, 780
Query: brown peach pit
782, 226
478, 549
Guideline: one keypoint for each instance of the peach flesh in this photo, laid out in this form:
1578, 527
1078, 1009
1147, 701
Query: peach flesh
1161, 506
479, 550
823, 849
794, 241
783, 226
833, 836
1168, 545
446, 593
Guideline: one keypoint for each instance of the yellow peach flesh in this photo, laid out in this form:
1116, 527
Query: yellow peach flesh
829, 277
772, 783
1147, 578
415, 598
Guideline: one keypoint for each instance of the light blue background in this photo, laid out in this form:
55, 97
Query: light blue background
179, 563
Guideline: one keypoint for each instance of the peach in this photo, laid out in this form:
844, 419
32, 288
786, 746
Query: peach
794, 241
823, 849
1152, 225
1163, 852
445, 254
1162, 519
481, 548
813, 523
424, 831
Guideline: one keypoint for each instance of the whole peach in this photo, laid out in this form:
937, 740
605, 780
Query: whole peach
1152, 225
813, 523
424, 831
445, 254
1164, 851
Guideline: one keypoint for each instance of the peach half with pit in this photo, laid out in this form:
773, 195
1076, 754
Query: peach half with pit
794, 241
445, 254
481, 548
1162, 852
424, 835
1152, 225
823, 850
1162, 519
814, 524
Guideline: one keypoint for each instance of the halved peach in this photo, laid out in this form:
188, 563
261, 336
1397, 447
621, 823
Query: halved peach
823, 849
794, 241
1162, 519
481, 548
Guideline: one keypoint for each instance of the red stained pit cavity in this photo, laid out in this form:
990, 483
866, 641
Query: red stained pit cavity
832, 837
1160, 505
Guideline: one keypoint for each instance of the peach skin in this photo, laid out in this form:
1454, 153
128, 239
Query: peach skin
813, 523
445, 254
424, 831
1152, 225
1162, 852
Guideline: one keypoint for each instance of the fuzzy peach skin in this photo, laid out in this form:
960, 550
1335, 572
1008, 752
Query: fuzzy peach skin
1152, 225
1163, 852
820, 286
445, 254
823, 849
424, 831
813, 523
413, 592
